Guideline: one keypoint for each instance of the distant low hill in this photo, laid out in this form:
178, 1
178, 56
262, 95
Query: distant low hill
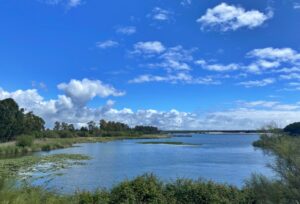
211, 131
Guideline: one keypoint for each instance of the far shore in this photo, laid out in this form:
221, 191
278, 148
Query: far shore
9, 149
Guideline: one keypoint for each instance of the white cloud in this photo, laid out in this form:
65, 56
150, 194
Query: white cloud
250, 118
186, 2
264, 104
107, 44
160, 14
290, 76
85, 90
67, 3
296, 6
247, 116
126, 30
218, 67
175, 58
257, 83
288, 70
177, 78
278, 54
74, 3
150, 47
228, 17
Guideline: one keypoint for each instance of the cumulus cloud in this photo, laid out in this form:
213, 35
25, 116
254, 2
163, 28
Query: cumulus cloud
229, 17
126, 30
85, 90
149, 47
107, 44
248, 115
278, 54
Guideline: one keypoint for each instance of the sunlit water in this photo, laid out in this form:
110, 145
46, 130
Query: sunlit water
222, 158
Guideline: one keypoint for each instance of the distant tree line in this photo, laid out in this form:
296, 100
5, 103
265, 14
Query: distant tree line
103, 128
14, 122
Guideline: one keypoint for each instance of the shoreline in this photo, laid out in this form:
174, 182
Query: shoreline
10, 150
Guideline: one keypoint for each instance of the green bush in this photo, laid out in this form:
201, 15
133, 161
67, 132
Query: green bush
65, 134
24, 141
143, 189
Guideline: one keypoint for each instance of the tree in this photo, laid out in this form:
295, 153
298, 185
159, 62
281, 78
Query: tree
11, 119
293, 129
91, 126
57, 126
71, 127
33, 123
103, 124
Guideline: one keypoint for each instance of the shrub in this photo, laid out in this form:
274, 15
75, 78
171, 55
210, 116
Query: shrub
24, 141
65, 134
143, 189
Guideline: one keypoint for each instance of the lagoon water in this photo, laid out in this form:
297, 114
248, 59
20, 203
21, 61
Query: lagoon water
222, 158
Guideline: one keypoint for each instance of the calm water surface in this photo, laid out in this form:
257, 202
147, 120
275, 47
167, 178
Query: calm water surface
222, 158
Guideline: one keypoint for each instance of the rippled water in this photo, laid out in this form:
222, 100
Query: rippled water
222, 158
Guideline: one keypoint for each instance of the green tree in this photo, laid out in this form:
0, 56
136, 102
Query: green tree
33, 123
293, 129
57, 126
11, 119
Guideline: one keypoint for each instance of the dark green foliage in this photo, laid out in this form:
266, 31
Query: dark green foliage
147, 129
33, 123
66, 134
99, 197
14, 122
146, 189
286, 188
110, 129
11, 120
113, 126
188, 191
293, 129
24, 141
143, 189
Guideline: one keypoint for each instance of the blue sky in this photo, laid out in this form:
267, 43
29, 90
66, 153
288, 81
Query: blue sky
177, 64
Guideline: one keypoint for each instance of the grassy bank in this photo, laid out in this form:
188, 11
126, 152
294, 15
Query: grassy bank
11, 149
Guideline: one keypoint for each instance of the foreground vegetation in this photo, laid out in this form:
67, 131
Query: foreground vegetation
143, 189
